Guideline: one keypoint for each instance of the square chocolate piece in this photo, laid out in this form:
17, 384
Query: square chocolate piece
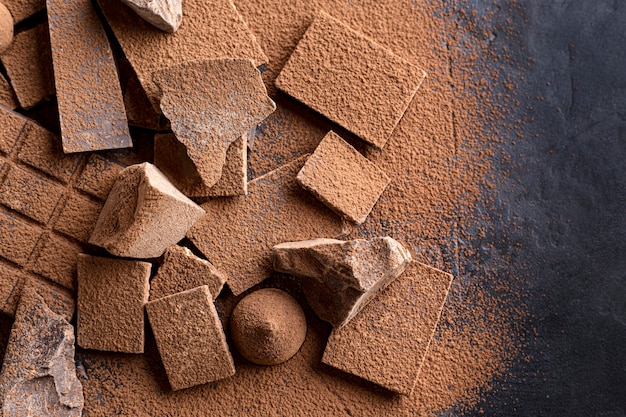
343, 179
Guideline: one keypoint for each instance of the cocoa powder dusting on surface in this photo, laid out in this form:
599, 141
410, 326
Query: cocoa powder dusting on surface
438, 160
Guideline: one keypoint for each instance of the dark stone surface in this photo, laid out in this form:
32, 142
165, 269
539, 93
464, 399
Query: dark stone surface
567, 191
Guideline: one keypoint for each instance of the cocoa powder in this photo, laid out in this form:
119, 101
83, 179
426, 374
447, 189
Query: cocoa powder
438, 160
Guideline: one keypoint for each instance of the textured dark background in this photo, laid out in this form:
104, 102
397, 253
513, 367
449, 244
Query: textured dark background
567, 191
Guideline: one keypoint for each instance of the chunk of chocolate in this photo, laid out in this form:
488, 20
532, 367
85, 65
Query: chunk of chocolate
28, 62
38, 375
340, 278
211, 104
143, 214
181, 270
91, 106
350, 79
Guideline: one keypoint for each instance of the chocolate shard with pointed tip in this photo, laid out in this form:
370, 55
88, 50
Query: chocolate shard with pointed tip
38, 375
211, 104
181, 270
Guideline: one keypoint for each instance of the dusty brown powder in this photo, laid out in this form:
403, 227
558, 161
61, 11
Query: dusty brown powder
437, 159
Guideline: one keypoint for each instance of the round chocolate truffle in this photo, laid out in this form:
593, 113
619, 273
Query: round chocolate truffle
268, 326
6, 28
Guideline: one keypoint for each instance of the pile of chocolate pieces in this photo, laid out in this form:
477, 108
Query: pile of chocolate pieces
85, 222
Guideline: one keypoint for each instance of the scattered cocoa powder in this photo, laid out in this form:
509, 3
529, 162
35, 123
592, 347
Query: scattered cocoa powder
438, 159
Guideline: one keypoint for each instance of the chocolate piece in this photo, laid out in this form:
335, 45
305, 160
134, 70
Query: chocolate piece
340, 278
21, 9
17, 238
38, 375
9, 280
6, 28
350, 79
162, 14
249, 227
190, 338
12, 125
181, 270
210, 104
143, 214
28, 63
170, 156
211, 30
111, 297
343, 179
268, 326
91, 106
388, 341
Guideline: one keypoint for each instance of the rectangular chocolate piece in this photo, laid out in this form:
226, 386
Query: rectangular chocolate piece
98, 176
111, 298
91, 106
386, 343
9, 279
78, 217
12, 125
210, 29
42, 149
350, 79
17, 238
249, 227
190, 338
56, 260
